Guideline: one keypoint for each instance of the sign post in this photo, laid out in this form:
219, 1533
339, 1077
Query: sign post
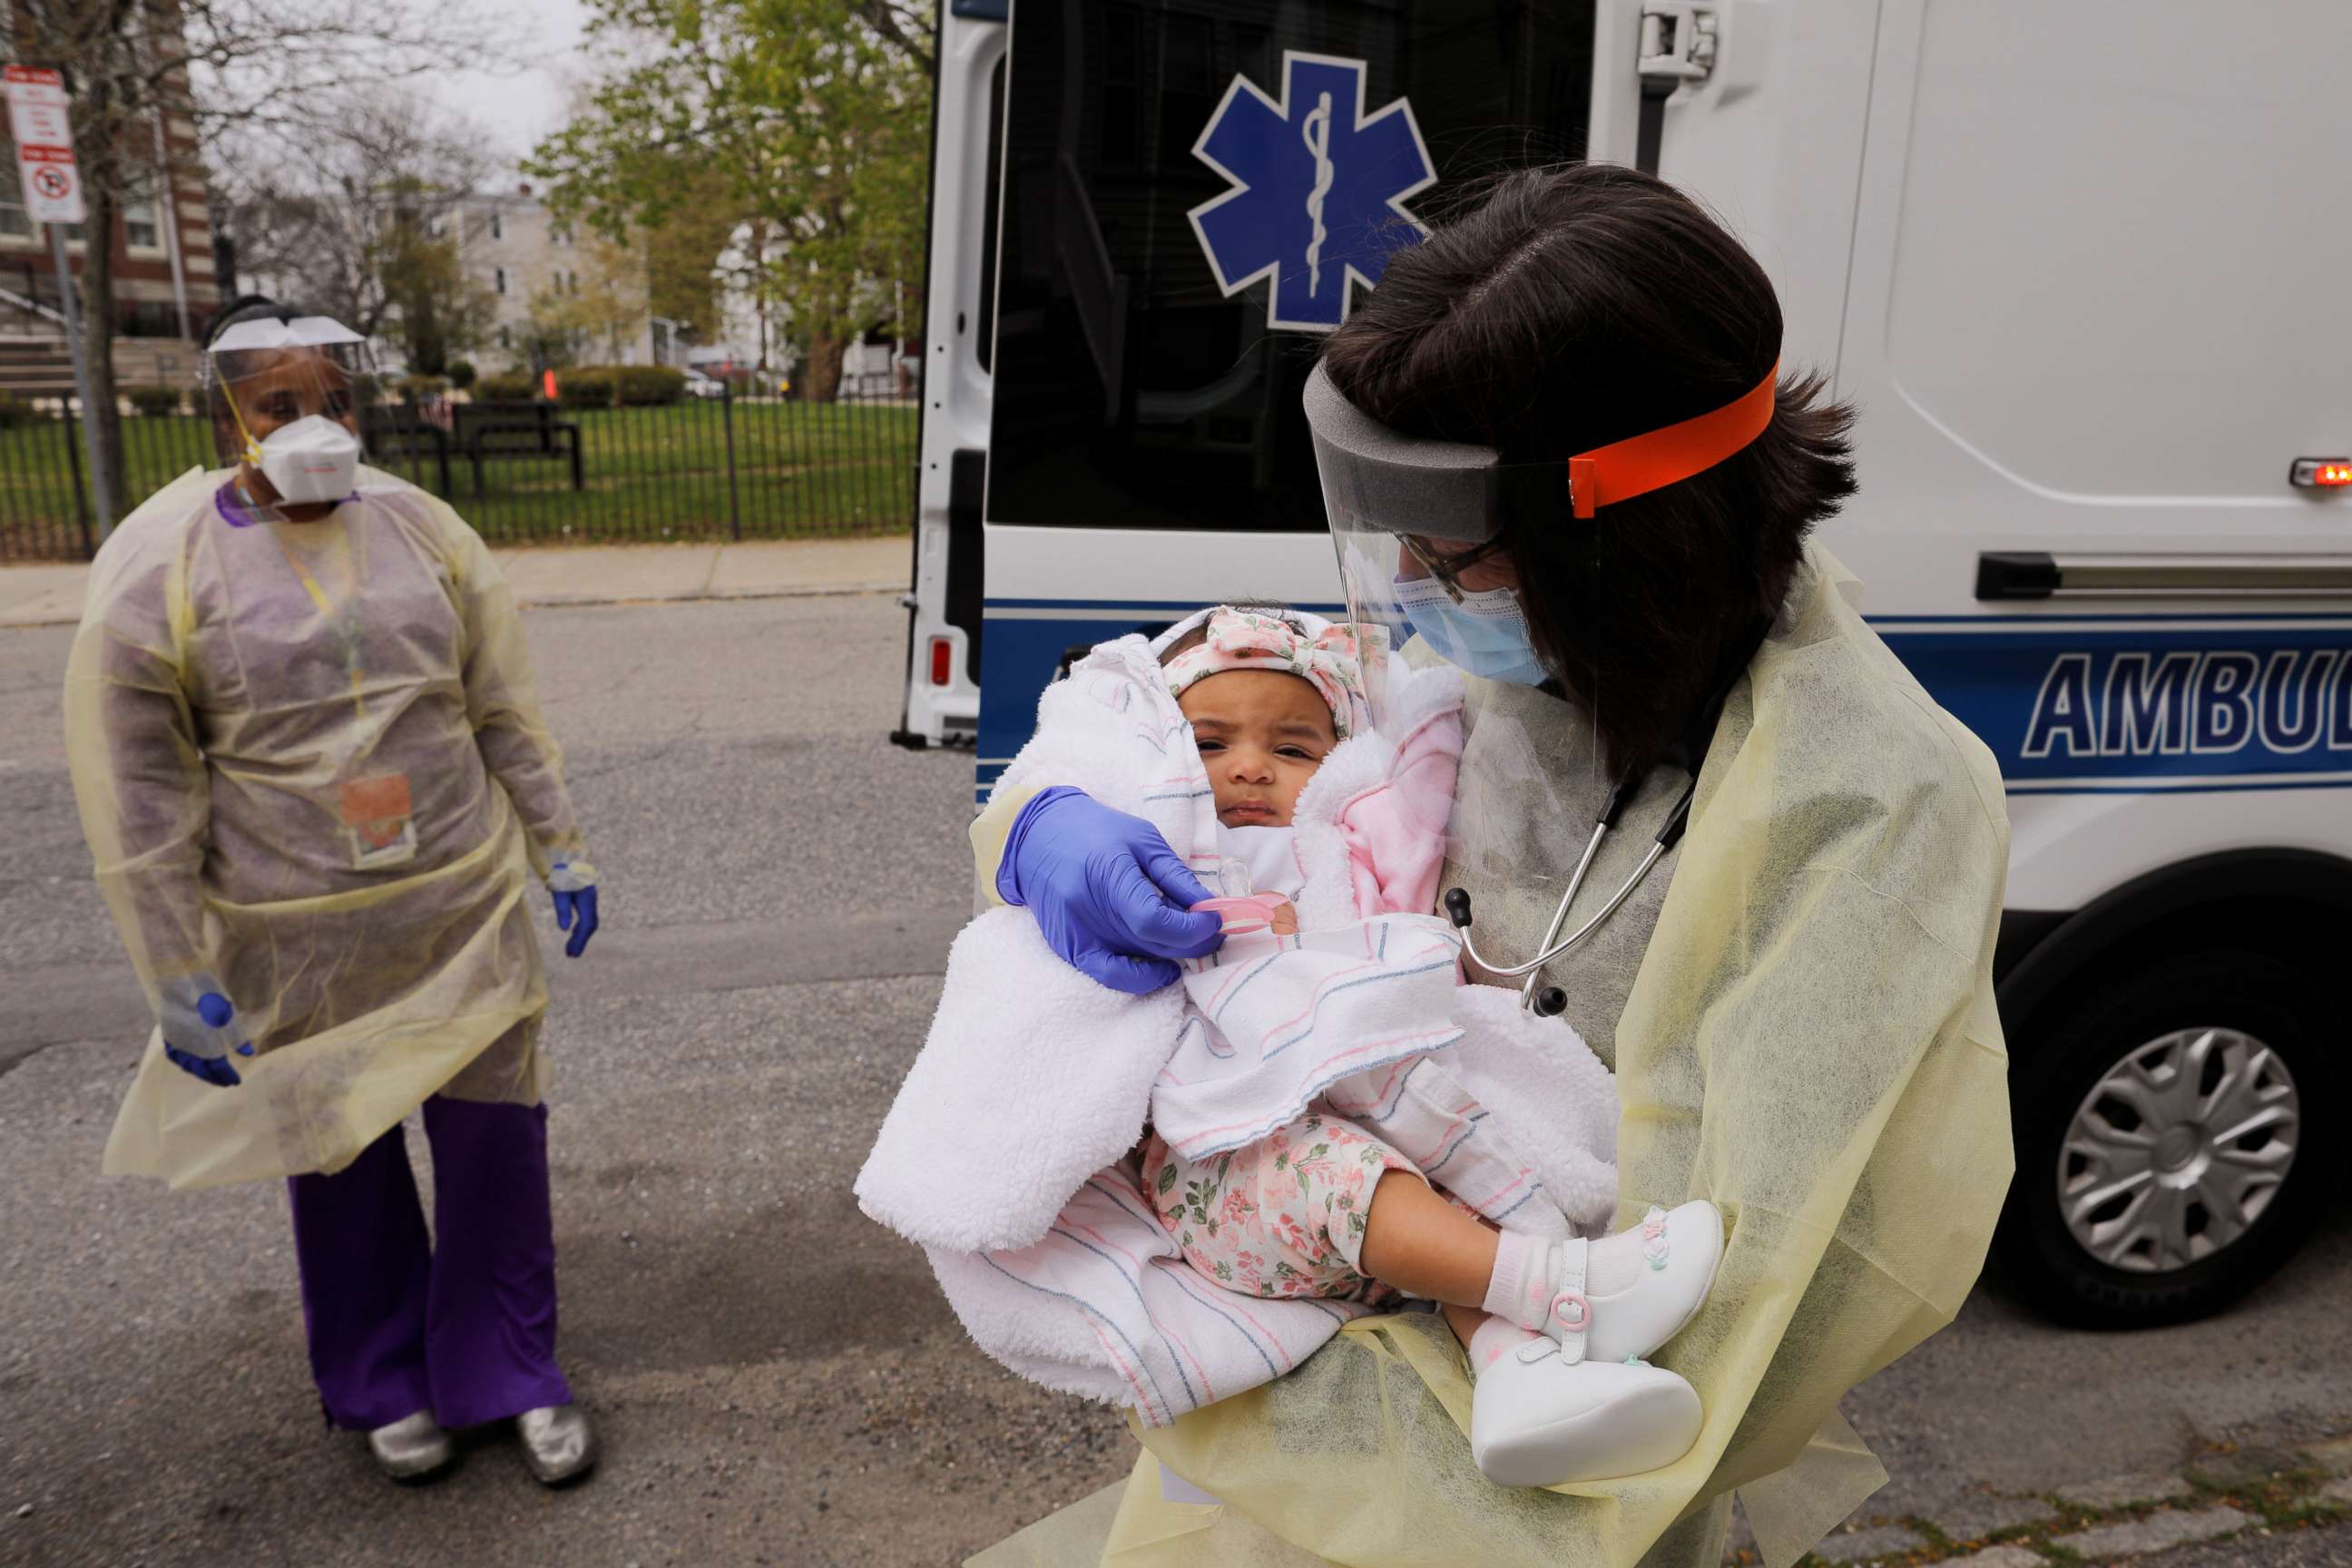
40, 116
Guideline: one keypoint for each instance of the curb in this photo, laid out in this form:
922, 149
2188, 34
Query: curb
37, 623
711, 595
2229, 1492
559, 601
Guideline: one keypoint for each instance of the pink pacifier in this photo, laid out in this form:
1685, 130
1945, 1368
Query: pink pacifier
1242, 911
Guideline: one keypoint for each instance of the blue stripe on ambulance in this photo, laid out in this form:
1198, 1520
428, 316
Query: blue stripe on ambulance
2071, 704
2102, 704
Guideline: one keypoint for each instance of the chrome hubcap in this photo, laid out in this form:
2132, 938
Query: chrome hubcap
2178, 1150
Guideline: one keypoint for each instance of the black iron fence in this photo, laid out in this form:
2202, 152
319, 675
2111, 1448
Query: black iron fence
531, 472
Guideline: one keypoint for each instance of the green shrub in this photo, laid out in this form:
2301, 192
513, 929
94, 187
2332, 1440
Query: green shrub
619, 385
516, 387
419, 387
153, 400
587, 386
13, 411
643, 385
462, 374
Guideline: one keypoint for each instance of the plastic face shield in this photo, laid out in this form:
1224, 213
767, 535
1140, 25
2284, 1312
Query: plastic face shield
261, 377
1418, 526
1407, 511
1401, 507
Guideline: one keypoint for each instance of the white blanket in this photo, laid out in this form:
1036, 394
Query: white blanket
1103, 1304
1008, 1153
1273, 1021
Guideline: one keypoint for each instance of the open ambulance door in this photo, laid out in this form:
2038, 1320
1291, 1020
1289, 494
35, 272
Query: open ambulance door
943, 596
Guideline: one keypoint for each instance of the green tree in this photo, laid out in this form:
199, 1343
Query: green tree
546, 341
437, 309
683, 258
804, 122
602, 307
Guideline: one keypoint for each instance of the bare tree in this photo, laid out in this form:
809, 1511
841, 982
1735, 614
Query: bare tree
369, 224
270, 66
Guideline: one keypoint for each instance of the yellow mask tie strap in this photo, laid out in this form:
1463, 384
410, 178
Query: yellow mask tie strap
252, 447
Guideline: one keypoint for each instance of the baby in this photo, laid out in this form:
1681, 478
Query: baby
1319, 1114
1325, 1206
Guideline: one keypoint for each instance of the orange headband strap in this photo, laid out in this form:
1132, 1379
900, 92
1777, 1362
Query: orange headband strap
1655, 459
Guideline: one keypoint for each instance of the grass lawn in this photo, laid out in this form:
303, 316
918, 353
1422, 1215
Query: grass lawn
800, 469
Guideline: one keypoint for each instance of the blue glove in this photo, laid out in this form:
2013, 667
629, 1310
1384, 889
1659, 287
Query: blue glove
1110, 895
199, 1030
575, 912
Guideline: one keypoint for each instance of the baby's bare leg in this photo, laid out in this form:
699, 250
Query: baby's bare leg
1422, 1245
1464, 1322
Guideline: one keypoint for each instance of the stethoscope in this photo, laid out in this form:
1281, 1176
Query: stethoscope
1689, 755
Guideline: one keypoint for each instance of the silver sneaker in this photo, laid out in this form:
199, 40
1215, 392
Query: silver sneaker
412, 1447
557, 1443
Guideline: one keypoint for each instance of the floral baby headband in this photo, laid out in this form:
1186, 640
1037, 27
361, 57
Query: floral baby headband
1328, 659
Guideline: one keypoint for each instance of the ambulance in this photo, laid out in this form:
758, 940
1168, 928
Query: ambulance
2082, 268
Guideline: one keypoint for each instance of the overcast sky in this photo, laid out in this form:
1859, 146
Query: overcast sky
518, 109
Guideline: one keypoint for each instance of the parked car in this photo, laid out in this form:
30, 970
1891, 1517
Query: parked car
700, 385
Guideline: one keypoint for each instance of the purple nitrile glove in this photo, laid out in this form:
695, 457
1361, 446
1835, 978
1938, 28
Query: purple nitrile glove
200, 1030
1110, 895
575, 912
574, 891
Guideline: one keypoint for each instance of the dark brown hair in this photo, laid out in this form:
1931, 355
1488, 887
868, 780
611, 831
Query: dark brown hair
1560, 310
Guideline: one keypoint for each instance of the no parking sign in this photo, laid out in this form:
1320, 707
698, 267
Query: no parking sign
38, 118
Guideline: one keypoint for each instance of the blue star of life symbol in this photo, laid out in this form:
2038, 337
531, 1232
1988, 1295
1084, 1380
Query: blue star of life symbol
1319, 193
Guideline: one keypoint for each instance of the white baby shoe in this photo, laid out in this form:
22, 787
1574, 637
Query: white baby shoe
1680, 1251
1538, 1419
1575, 1402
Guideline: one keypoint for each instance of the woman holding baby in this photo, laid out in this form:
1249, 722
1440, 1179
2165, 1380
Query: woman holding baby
1702, 816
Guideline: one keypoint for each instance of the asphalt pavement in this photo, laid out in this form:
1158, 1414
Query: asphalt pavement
777, 1380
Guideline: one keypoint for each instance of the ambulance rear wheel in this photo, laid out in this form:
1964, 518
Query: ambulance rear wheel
2179, 1133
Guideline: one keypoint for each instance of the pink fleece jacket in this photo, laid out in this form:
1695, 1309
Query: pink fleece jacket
1395, 830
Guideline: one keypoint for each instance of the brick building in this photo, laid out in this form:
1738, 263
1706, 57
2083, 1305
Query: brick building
166, 282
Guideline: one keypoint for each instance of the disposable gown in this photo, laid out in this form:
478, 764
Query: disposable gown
1802, 1023
310, 763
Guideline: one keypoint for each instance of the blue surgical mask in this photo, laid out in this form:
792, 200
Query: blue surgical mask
1485, 634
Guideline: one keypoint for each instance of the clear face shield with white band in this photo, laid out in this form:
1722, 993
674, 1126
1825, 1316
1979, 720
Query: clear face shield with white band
285, 396
1420, 526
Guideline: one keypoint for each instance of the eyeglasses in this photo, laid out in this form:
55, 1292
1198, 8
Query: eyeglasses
1448, 566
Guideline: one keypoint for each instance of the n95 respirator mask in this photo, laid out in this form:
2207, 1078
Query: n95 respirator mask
311, 460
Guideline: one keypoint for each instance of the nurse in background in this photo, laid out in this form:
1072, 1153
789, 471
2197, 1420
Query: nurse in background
315, 781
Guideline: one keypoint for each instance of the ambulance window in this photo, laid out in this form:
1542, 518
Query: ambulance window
1122, 88
1132, 390
1188, 84
1254, 55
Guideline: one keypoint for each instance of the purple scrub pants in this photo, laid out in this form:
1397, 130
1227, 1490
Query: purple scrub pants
398, 1323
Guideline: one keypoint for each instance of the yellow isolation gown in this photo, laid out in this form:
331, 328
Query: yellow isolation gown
311, 767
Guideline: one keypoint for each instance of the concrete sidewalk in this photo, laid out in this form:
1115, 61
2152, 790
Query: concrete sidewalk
43, 596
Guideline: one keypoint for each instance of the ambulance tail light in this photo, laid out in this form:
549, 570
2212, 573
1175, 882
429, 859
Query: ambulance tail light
2320, 473
942, 660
